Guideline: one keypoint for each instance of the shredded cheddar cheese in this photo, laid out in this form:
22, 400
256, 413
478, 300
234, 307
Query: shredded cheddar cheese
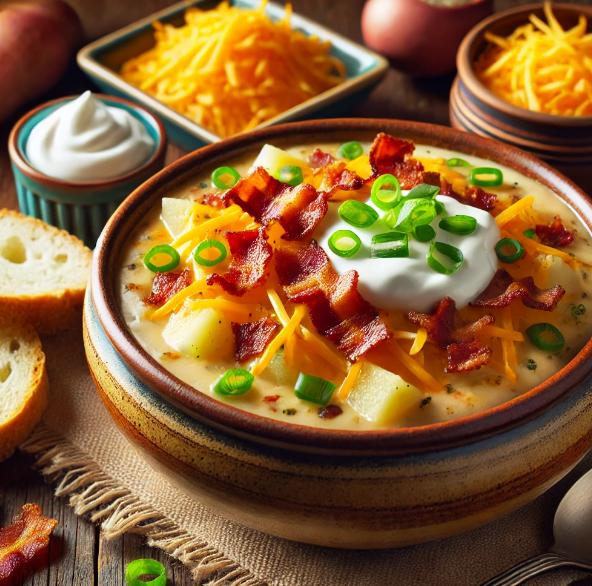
510, 213
229, 69
420, 340
350, 380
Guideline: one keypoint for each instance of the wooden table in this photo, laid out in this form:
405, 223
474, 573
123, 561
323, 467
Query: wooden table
78, 554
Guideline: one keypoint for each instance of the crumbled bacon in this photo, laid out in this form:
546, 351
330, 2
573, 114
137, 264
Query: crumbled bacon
271, 398
433, 178
392, 155
251, 338
336, 308
330, 412
167, 285
447, 329
336, 177
503, 289
319, 159
298, 209
215, 200
555, 234
20, 541
473, 196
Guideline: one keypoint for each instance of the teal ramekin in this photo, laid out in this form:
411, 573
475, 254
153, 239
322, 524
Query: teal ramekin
82, 208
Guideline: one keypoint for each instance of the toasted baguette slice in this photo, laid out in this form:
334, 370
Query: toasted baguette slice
23, 384
43, 273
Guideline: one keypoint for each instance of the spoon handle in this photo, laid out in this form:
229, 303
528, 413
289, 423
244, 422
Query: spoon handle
527, 569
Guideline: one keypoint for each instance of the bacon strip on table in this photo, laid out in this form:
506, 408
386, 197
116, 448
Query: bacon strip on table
555, 234
447, 329
393, 155
298, 209
473, 196
252, 338
503, 289
319, 159
20, 541
167, 285
337, 309
251, 254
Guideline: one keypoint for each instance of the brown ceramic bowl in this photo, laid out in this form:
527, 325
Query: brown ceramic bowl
352, 489
562, 141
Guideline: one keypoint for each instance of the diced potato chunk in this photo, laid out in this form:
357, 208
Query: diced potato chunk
381, 396
175, 214
204, 333
273, 159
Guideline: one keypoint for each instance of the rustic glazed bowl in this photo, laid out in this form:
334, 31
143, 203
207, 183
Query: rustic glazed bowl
562, 141
337, 488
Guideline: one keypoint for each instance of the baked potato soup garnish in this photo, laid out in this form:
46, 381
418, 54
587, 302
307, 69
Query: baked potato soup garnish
360, 286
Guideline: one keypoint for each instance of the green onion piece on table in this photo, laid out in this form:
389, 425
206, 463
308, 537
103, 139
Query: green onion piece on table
486, 177
413, 213
455, 162
235, 381
530, 233
209, 245
290, 174
386, 192
509, 250
225, 177
453, 254
460, 225
351, 150
144, 567
390, 245
535, 334
313, 389
357, 213
423, 190
344, 243
424, 233
166, 250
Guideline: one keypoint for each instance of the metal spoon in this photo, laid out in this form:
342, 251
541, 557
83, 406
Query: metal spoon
572, 530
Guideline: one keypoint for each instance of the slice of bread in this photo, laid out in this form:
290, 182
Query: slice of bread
43, 273
23, 384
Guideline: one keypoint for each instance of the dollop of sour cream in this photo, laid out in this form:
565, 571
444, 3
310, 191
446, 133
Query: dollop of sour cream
409, 284
86, 140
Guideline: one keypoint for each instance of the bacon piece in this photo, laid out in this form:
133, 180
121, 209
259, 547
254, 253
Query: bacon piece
336, 177
298, 209
319, 159
447, 329
503, 289
251, 339
392, 155
251, 254
167, 285
20, 541
330, 412
337, 310
215, 200
474, 196
555, 234
271, 398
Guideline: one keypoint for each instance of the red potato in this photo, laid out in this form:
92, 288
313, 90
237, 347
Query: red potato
37, 41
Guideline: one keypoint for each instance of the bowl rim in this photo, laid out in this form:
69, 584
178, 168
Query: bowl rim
25, 167
466, 71
261, 429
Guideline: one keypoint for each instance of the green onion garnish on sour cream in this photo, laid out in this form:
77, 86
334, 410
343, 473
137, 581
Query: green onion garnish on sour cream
390, 245
358, 214
454, 258
386, 192
344, 243
460, 225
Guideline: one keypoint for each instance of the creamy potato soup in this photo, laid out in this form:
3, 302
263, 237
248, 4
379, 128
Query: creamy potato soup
360, 286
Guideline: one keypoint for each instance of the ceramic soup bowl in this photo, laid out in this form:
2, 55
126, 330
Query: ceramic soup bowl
363, 489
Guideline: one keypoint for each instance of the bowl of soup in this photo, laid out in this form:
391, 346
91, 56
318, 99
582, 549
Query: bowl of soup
354, 333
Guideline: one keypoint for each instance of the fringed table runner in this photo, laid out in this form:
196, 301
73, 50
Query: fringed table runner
81, 451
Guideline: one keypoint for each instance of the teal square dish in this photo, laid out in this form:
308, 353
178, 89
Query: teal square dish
102, 60
81, 208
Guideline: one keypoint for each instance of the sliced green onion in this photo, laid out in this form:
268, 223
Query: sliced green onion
357, 214
209, 244
386, 192
145, 567
458, 163
351, 150
530, 233
424, 233
390, 245
517, 251
460, 225
423, 190
535, 333
235, 381
314, 389
440, 209
481, 176
451, 252
344, 243
413, 213
225, 177
167, 250
290, 174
